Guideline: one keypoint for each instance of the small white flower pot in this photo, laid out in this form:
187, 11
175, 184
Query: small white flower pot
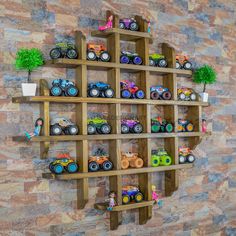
204, 97
29, 89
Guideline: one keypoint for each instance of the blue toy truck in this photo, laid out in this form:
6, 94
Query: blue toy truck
100, 89
131, 193
159, 92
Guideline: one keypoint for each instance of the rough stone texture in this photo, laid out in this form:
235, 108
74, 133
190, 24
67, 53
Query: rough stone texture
205, 202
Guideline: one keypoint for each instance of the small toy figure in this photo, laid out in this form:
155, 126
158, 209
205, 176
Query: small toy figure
204, 126
37, 129
154, 194
149, 26
108, 24
112, 201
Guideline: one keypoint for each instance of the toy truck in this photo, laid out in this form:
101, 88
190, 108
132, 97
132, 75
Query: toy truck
159, 92
64, 50
182, 62
156, 59
186, 94
130, 90
185, 155
160, 158
63, 87
129, 24
130, 58
161, 125
63, 163
131, 159
62, 125
131, 126
185, 126
98, 125
97, 52
131, 193
100, 89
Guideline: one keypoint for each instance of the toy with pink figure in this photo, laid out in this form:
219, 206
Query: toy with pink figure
37, 129
204, 126
108, 25
111, 200
156, 197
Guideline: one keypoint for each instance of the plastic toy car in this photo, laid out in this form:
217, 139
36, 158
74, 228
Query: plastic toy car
130, 90
160, 157
63, 126
100, 89
186, 94
100, 160
97, 52
64, 50
63, 163
131, 193
131, 159
63, 86
159, 92
185, 155
130, 58
131, 126
185, 126
128, 23
157, 60
98, 125
182, 62
161, 125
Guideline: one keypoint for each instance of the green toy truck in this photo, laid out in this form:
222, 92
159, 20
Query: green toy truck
160, 158
156, 59
98, 125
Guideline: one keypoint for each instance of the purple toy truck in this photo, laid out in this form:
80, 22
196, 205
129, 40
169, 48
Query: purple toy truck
131, 126
130, 90
160, 92
129, 24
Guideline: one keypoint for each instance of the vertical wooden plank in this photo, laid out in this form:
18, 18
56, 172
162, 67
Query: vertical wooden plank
142, 48
80, 42
143, 25
113, 47
113, 78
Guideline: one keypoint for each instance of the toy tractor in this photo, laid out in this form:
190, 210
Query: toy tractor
186, 94
100, 89
131, 126
100, 160
63, 126
182, 62
185, 126
130, 90
157, 60
131, 193
129, 24
185, 155
159, 92
63, 163
130, 159
97, 52
98, 125
160, 158
63, 50
161, 125
130, 58
63, 87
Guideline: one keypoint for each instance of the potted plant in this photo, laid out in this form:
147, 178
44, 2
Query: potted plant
204, 75
29, 60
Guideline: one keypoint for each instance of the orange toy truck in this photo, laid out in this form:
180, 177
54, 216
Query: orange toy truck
182, 62
97, 52
131, 159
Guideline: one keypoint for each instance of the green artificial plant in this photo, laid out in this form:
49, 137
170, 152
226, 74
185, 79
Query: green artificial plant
29, 60
204, 75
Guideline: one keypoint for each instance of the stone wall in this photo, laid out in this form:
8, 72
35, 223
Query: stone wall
205, 201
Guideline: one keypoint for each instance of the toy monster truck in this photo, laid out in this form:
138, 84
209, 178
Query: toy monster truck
63, 163
98, 125
157, 60
160, 157
63, 86
161, 125
64, 50
186, 94
130, 90
131, 159
185, 126
130, 58
129, 24
185, 155
100, 89
131, 193
97, 52
131, 126
182, 62
63, 125
159, 92
100, 160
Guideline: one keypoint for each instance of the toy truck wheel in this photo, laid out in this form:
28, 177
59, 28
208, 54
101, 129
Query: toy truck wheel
137, 60
71, 167
180, 128
154, 95
105, 129
133, 26
107, 165
109, 93
122, 25
125, 93
94, 92
125, 199
72, 129
124, 129
151, 62
71, 53
55, 53
124, 59
138, 197
165, 161
190, 158
104, 56
93, 166
51, 167
91, 129
182, 96
166, 95
178, 65
162, 63
58, 169
182, 159
169, 128
155, 161
193, 97
137, 129
138, 163
71, 91
56, 91
140, 94
55, 129
189, 127
155, 128
124, 164
91, 55
187, 65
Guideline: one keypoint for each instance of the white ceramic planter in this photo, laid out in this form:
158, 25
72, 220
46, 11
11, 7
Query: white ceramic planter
29, 89
204, 97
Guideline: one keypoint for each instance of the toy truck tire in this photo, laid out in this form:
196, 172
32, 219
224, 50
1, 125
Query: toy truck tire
104, 56
125, 199
55, 129
187, 65
151, 62
137, 129
165, 161
94, 92
51, 167
107, 165
154, 95
71, 53
91, 129
155, 128
124, 59
124, 164
137, 60
169, 128
189, 127
162, 62
124, 129
133, 26
180, 128
71, 167
182, 159
71, 91
182, 96
56, 91
166, 95
155, 161
178, 65
109, 93
138, 197
72, 130
137, 163
58, 169
105, 129
93, 166
125, 93
55, 53
190, 158
91, 55
140, 94
122, 25
193, 97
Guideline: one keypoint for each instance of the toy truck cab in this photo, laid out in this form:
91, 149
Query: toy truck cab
130, 90
160, 157
99, 125
97, 52
131, 193
156, 59
64, 50
182, 62
186, 94
130, 58
131, 126
129, 24
100, 89
185, 126
185, 155
159, 92
131, 159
